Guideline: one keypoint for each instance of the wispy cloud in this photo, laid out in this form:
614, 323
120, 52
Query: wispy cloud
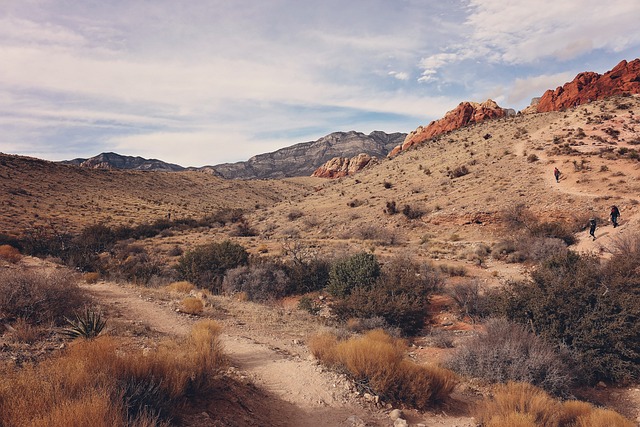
204, 82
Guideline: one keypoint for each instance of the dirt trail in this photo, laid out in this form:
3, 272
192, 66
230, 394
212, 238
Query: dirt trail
304, 393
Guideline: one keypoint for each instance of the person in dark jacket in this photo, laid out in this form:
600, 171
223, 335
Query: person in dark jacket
556, 174
592, 228
615, 214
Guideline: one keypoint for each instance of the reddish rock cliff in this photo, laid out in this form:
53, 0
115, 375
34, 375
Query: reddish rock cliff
464, 114
342, 166
589, 86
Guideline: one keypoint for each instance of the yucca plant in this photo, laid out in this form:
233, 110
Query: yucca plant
87, 325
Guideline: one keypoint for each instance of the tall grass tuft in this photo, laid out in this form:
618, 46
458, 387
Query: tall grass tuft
376, 363
98, 383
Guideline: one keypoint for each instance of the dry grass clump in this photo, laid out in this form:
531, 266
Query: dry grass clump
524, 405
38, 297
182, 287
192, 305
10, 254
91, 278
376, 363
96, 383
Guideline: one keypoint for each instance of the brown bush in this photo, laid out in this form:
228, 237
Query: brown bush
376, 363
10, 254
182, 287
192, 305
39, 297
96, 383
91, 278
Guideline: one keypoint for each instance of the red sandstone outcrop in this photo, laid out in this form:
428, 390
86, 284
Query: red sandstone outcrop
464, 114
343, 166
590, 86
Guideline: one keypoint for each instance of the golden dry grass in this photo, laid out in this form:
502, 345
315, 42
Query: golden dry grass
376, 362
91, 277
522, 404
84, 386
191, 305
9, 253
182, 287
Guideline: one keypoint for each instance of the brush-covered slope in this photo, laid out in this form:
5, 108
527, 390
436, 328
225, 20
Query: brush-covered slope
38, 192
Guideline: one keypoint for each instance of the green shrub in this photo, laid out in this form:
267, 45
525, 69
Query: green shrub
508, 352
87, 325
590, 307
400, 296
206, 265
361, 269
307, 275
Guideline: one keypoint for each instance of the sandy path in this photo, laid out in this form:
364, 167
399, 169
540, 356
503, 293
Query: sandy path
306, 394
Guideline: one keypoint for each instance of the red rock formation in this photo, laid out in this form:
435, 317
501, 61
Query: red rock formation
343, 166
589, 86
464, 114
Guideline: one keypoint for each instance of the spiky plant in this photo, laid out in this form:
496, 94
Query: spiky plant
87, 325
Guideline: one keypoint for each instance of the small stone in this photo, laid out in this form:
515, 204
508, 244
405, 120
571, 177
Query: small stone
354, 421
400, 423
396, 414
601, 385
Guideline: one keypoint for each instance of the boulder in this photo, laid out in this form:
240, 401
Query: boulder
343, 166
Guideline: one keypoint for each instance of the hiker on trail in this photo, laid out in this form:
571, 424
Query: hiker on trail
592, 228
615, 214
556, 173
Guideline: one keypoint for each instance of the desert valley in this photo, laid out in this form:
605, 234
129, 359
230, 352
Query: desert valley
445, 277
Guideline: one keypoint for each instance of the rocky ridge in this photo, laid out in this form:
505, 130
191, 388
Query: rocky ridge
466, 113
113, 161
303, 159
624, 78
344, 166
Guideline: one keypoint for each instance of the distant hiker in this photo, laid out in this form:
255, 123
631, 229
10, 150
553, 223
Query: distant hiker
556, 173
592, 228
615, 214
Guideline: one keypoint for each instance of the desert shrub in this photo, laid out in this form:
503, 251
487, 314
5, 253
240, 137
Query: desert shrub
518, 217
175, 251
309, 305
532, 158
224, 216
459, 171
99, 384
507, 352
88, 324
206, 265
518, 404
15, 242
134, 266
10, 254
554, 230
527, 248
23, 331
294, 214
375, 233
191, 305
391, 208
400, 296
468, 296
412, 212
524, 405
307, 275
453, 270
182, 287
262, 282
91, 278
591, 308
376, 363
38, 297
361, 269
362, 325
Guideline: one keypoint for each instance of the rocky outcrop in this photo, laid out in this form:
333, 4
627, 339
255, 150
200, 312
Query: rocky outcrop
343, 166
466, 113
117, 161
304, 158
590, 86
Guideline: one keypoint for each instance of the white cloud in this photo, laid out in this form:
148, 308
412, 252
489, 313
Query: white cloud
399, 75
522, 89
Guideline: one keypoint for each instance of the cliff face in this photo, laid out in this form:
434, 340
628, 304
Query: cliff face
303, 159
343, 166
589, 86
117, 161
464, 114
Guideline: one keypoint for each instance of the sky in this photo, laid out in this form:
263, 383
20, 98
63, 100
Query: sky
207, 82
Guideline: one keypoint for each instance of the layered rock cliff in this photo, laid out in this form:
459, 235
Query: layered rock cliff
466, 113
343, 166
303, 159
118, 161
590, 86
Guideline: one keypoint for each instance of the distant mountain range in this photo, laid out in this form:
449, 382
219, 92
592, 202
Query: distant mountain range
118, 161
297, 160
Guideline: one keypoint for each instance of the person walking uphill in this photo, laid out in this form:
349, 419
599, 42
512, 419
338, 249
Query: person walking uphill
592, 228
615, 214
556, 173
